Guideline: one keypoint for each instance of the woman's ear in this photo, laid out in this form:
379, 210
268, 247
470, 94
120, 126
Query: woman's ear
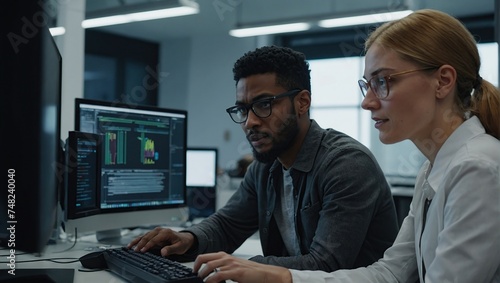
446, 78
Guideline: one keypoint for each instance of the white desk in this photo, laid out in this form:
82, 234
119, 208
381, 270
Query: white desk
88, 244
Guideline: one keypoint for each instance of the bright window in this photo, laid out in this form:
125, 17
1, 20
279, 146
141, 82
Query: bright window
336, 97
489, 62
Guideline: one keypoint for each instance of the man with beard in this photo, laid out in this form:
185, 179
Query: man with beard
317, 196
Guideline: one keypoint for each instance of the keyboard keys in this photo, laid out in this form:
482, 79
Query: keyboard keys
147, 267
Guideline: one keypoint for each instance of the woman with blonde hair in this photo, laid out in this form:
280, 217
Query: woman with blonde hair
422, 83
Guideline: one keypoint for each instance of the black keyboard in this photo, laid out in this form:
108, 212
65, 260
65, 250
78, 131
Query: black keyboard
147, 267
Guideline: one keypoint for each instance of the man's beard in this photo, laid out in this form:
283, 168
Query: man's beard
281, 141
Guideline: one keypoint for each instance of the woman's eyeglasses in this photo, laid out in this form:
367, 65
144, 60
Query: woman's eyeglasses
380, 85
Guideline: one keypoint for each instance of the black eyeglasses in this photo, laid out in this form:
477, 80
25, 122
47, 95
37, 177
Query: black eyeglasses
262, 108
380, 85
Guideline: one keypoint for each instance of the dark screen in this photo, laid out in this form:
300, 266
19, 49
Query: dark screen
30, 85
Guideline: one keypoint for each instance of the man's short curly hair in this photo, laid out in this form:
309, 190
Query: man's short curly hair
291, 68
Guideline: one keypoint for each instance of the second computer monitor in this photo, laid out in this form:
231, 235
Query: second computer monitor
142, 169
201, 181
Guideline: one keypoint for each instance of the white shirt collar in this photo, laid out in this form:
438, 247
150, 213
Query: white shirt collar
468, 130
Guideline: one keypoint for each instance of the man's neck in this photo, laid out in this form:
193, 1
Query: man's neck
287, 158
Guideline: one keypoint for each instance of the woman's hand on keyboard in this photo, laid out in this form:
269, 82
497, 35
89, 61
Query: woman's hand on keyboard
221, 266
172, 242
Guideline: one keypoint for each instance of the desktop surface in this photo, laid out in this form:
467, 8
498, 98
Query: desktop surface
39, 275
64, 252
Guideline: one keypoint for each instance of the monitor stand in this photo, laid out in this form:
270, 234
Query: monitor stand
113, 237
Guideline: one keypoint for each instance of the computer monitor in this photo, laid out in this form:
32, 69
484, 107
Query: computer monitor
30, 84
142, 174
201, 181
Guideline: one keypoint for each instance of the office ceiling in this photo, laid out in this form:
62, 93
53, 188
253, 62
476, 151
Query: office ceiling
219, 16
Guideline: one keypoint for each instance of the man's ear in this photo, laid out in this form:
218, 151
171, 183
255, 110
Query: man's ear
304, 102
446, 78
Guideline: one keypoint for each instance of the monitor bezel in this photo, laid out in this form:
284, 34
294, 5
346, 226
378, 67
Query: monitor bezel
194, 212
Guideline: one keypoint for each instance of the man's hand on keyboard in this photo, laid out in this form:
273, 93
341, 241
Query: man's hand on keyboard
172, 242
